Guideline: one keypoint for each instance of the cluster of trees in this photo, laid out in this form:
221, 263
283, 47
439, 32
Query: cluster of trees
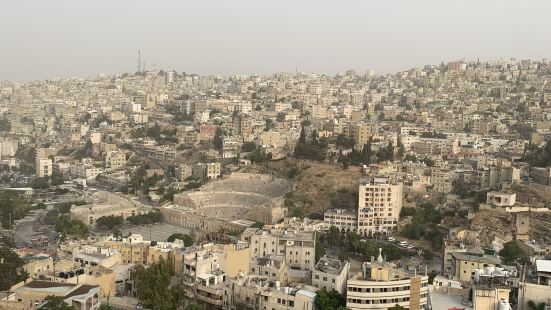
424, 224
513, 254
433, 134
153, 286
100, 119
218, 139
540, 157
463, 190
11, 265
533, 306
140, 182
188, 240
356, 157
344, 142
427, 161
386, 153
260, 156
352, 242
67, 226
167, 193
178, 115
343, 199
144, 219
87, 151
12, 207
248, 146
331, 300
312, 150
5, 125
110, 221
45, 182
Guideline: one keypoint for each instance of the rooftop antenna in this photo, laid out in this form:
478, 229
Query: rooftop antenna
154, 65
139, 64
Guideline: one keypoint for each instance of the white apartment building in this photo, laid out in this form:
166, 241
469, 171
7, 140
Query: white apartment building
379, 205
331, 274
381, 286
298, 247
43, 167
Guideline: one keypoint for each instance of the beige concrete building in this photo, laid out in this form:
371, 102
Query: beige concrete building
331, 274
381, 286
441, 179
539, 290
81, 296
270, 266
298, 247
345, 220
44, 167
362, 133
464, 265
501, 199
379, 205
491, 289
208, 171
115, 160
260, 293
183, 172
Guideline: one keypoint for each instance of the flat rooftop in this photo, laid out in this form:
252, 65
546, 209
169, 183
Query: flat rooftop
330, 265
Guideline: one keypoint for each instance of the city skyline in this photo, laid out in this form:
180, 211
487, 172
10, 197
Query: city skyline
245, 37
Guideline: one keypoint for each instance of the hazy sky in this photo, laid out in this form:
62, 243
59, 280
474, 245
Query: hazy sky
51, 38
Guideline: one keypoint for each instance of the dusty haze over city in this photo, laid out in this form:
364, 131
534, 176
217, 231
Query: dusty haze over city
45, 39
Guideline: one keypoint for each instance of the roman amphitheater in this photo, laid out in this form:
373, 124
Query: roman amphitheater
229, 201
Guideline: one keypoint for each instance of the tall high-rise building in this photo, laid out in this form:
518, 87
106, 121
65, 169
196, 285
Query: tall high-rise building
379, 205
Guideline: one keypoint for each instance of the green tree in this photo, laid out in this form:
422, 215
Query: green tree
512, 253
366, 153
533, 306
319, 251
194, 307
148, 218
153, 283
218, 140
329, 300
11, 267
248, 147
397, 307
72, 227
188, 240
5, 125
302, 137
109, 221
40, 183
56, 179
105, 307
55, 303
